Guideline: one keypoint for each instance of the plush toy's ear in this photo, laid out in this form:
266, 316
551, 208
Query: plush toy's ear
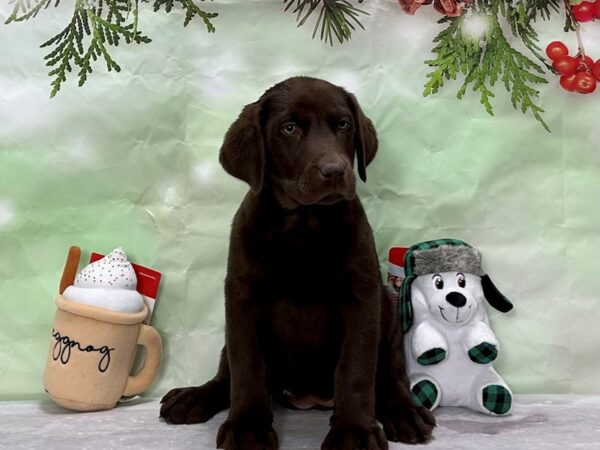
365, 138
493, 295
243, 151
405, 310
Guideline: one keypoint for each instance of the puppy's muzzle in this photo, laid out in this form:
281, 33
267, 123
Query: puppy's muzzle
332, 172
456, 299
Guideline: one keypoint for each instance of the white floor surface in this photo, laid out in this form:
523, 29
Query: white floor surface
557, 422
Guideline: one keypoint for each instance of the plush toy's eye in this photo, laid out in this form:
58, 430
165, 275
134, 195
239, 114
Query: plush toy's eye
460, 280
288, 128
438, 281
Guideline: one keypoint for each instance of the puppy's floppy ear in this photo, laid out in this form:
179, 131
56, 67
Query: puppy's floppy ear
493, 295
365, 138
243, 151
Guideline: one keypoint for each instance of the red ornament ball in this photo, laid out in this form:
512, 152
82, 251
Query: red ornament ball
556, 49
584, 11
584, 83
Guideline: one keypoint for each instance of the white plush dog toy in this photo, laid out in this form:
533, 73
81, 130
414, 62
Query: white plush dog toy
449, 343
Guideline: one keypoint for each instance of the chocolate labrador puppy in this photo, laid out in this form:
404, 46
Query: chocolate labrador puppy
307, 319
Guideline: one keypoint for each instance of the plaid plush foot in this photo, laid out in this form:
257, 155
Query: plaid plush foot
433, 356
425, 394
497, 399
483, 353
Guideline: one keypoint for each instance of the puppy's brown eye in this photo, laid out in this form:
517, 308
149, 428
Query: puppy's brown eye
460, 280
343, 125
438, 281
288, 128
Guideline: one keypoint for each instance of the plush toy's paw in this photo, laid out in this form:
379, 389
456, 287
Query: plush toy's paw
433, 356
410, 424
425, 393
483, 353
428, 345
355, 437
496, 399
194, 404
247, 433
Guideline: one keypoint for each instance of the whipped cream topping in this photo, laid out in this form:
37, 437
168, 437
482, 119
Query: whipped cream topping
111, 271
108, 283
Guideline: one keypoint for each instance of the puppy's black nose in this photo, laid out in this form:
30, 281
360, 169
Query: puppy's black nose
456, 299
332, 171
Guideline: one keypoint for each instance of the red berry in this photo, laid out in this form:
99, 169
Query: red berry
565, 65
596, 69
556, 49
597, 9
584, 83
584, 11
566, 81
589, 62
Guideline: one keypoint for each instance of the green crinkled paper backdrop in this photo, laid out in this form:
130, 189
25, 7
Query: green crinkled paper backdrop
130, 160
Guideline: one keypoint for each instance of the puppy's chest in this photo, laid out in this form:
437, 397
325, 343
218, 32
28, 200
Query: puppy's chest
306, 253
302, 279
306, 283
302, 327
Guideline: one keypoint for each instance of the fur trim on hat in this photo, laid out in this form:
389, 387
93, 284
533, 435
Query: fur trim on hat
448, 258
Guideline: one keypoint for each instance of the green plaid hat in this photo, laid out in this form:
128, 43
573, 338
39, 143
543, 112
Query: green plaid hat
444, 255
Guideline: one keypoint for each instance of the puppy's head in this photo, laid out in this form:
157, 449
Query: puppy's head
300, 140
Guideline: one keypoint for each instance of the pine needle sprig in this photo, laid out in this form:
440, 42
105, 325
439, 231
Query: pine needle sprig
86, 38
337, 18
490, 58
452, 53
545, 9
191, 10
95, 26
542, 8
24, 7
68, 47
520, 21
519, 75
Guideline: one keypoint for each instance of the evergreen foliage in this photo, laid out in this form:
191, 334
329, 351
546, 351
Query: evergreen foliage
483, 61
490, 58
94, 26
336, 17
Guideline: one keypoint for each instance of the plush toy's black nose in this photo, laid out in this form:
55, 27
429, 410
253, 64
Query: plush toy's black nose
456, 299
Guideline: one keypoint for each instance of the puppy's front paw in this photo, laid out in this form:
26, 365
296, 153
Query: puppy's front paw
355, 438
407, 423
247, 434
193, 404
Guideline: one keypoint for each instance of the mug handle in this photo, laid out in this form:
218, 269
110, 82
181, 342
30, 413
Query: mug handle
150, 339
